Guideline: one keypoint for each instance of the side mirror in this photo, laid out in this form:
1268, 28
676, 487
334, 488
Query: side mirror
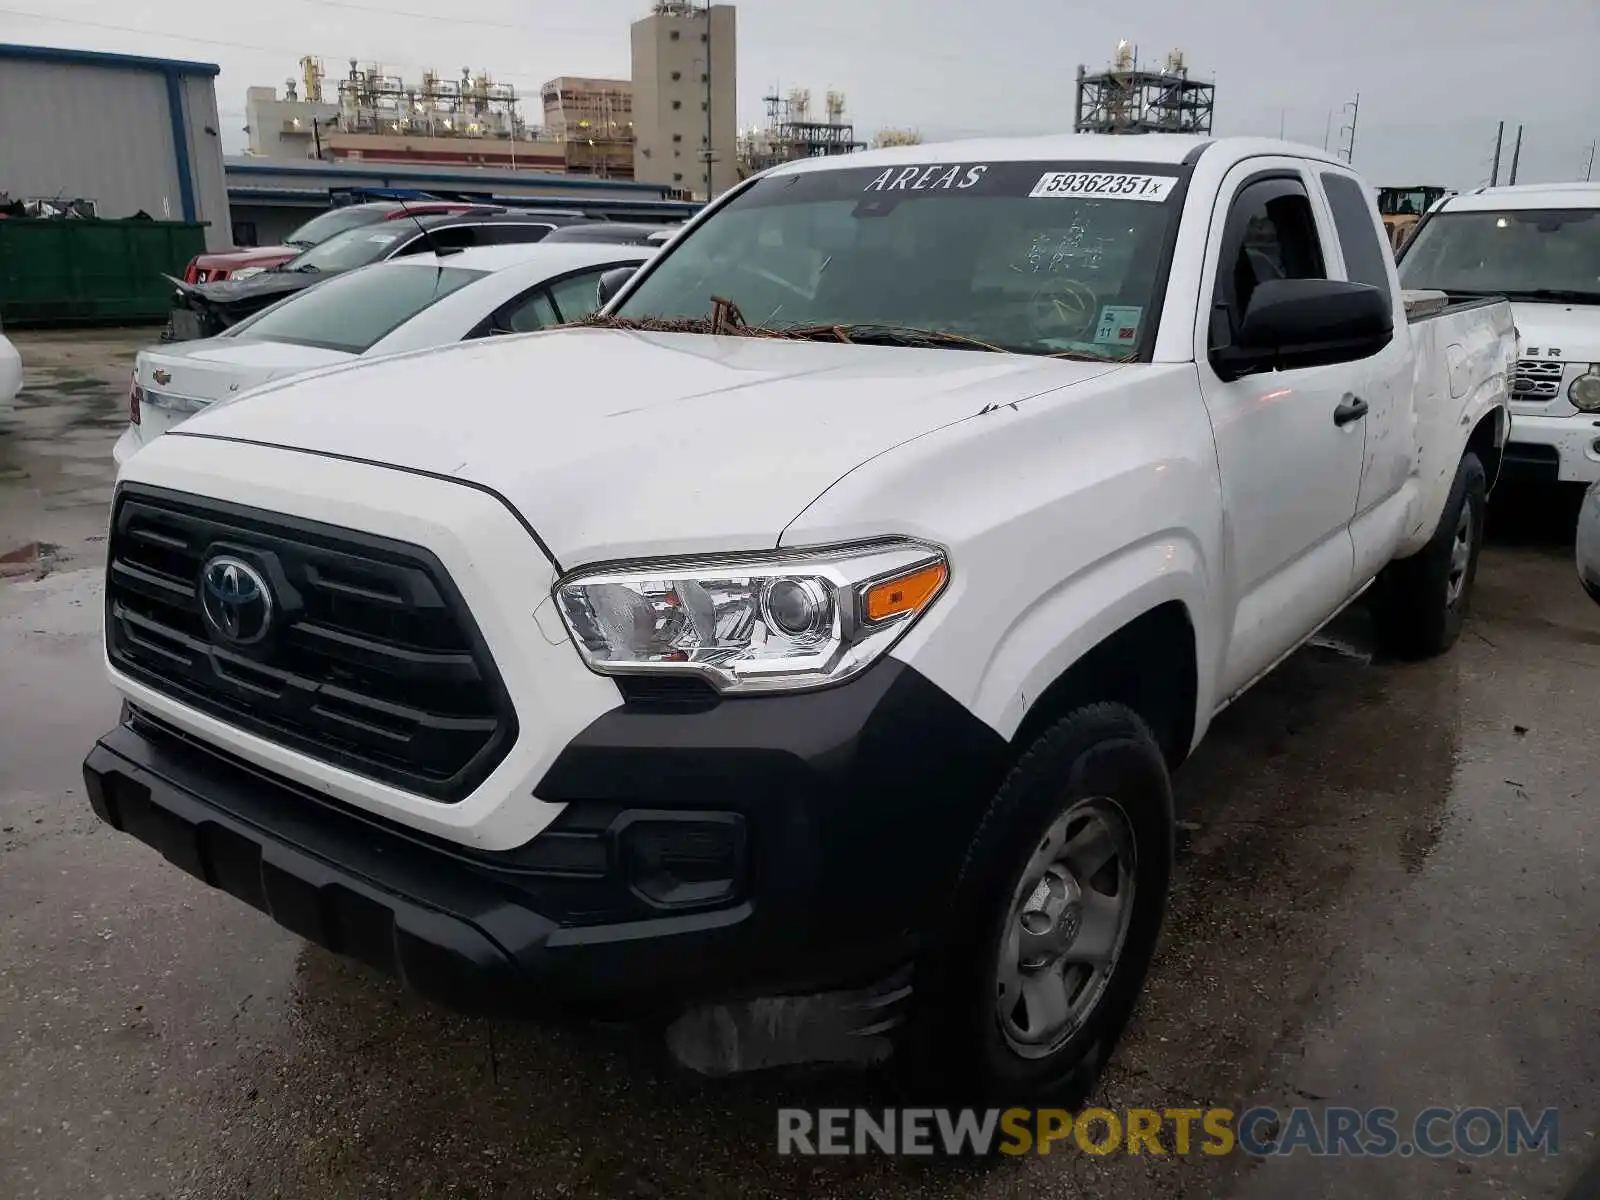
611, 283
1588, 553
1307, 323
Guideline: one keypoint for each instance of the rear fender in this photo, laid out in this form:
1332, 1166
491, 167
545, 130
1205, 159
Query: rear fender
1461, 383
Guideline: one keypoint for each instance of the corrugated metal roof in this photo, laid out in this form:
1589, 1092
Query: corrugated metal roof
97, 58
238, 166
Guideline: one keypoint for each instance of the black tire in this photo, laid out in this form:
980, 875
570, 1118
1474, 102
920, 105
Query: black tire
1417, 609
956, 1050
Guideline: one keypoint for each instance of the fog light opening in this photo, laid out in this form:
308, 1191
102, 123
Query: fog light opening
683, 863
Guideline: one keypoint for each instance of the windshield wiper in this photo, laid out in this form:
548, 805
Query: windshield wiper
872, 333
305, 268
301, 242
1559, 295
1087, 356
725, 319
1556, 295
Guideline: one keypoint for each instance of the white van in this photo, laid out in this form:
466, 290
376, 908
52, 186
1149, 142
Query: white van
1539, 246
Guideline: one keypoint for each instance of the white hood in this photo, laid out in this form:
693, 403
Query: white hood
616, 443
217, 368
1573, 329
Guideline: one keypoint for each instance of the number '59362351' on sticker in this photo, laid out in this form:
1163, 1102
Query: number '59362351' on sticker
1105, 185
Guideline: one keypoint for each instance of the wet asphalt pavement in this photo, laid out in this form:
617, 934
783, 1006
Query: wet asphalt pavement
1386, 895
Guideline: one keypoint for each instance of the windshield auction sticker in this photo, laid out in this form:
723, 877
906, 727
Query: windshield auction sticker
938, 178
1119, 325
1104, 185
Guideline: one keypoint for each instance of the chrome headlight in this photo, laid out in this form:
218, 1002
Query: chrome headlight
1584, 391
774, 621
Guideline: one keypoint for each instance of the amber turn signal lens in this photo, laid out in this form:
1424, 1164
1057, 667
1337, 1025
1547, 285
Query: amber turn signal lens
907, 594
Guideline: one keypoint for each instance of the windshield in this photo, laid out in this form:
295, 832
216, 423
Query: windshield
1407, 201
353, 312
320, 229
352, 248
1545, 253
1031, 257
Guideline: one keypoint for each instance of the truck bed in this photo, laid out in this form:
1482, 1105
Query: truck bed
1465, 354
1426, 305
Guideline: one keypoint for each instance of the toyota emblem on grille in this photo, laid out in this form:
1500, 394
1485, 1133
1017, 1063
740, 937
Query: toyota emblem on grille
236, 600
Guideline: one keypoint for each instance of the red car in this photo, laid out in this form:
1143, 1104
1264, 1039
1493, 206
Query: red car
235, 264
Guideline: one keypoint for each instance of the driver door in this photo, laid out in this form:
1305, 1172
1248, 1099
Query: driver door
1290, 473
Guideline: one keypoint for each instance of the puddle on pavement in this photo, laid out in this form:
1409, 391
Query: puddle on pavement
56, 469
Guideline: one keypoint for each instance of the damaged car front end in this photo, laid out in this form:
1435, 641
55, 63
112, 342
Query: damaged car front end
202, 310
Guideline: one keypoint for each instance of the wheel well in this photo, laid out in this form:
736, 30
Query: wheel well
1148, 665
1482, 442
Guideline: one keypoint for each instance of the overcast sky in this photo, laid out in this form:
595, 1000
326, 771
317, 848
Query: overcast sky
1434, 76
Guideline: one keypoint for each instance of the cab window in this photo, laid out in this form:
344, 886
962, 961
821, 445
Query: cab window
1271, 233
1354, 217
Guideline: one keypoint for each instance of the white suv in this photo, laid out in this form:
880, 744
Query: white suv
1538, 246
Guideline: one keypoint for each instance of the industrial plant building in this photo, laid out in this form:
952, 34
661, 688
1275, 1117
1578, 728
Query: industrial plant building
792, 132
122, 135
591, 120
685, 96
114, 134
1130, 97
371, 115
669, 123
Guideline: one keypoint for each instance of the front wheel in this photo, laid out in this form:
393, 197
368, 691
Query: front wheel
1054, 920
1420, 603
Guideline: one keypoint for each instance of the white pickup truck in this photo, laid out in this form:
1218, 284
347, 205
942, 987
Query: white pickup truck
827, 614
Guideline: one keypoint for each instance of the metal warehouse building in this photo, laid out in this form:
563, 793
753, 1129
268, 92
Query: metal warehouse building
271, 198
130, 133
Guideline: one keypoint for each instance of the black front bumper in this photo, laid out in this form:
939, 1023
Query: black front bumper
1530, 462
856, 805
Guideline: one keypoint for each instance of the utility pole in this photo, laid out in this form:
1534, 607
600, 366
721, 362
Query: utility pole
1327, 130
1516, 156
1589, 170
1499, 142
1354, 106
708, 150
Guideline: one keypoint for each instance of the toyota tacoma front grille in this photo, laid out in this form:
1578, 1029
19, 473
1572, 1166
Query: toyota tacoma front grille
354, 649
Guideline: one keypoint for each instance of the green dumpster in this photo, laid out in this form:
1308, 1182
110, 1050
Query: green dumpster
72, 271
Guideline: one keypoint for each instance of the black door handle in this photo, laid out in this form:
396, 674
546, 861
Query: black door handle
1352, 409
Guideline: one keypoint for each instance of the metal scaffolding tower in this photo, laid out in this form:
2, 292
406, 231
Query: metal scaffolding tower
791, 132
1130, 99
